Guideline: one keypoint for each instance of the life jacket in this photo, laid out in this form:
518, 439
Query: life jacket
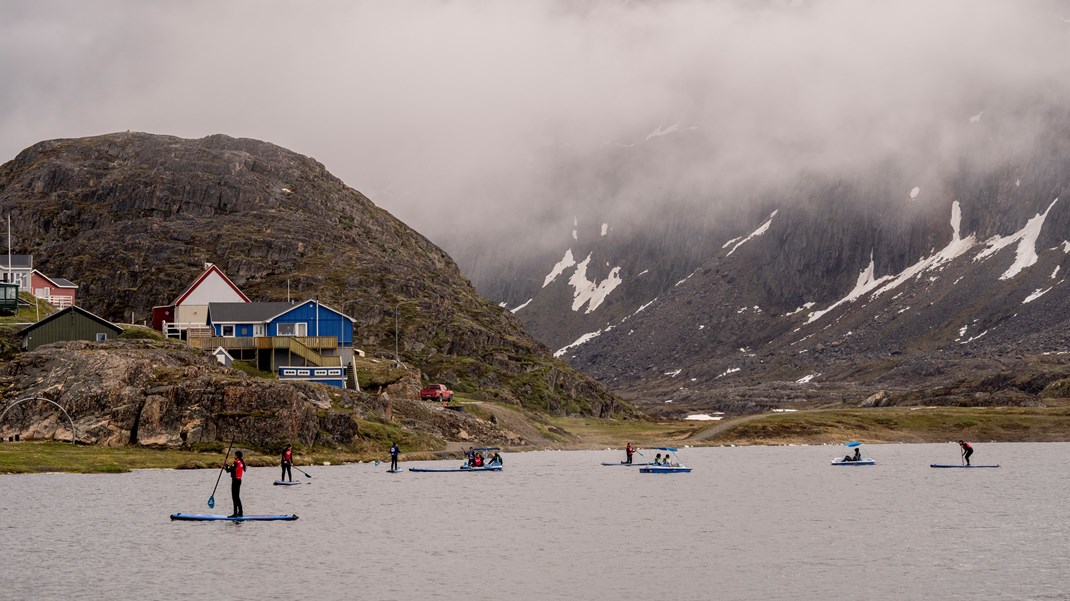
287, 454
239, 469
479, 461
394, 451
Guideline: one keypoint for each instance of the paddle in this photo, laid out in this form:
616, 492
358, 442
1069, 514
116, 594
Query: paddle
301, 470
211, 499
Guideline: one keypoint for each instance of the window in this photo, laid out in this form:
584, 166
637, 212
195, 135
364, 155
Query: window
227, 331
293, 329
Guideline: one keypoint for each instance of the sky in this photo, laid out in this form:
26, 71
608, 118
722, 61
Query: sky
467, 117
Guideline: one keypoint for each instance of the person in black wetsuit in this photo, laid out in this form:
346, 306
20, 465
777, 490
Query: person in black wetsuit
394, 456
287, 462
967, 450
236, 471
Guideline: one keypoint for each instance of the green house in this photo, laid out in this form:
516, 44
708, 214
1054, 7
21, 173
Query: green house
9, 298
72, 323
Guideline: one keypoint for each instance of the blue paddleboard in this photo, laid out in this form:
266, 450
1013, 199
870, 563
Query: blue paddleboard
208, 517
957, 465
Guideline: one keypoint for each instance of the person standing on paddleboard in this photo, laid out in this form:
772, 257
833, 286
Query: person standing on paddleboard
394, 455
967, 450
236, 471
629, 450
287, 463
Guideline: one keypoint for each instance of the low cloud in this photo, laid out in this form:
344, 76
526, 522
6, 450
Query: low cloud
466, 117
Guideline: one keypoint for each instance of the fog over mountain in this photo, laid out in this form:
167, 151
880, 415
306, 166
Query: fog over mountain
469, 120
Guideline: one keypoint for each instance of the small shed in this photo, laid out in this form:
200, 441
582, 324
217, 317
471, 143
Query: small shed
223, 357
72, 323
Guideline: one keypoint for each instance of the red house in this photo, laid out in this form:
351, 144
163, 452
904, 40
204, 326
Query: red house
58, 292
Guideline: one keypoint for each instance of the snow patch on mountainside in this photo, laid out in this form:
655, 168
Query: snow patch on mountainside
587, 292
1036, 294
581, 340
1026, 253
605, 229
758, 232
521, 306
567, 261
868, 283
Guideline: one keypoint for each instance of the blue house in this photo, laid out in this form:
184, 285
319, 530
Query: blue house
284, 335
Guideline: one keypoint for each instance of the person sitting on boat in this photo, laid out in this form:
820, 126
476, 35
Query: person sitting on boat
967, 450
657, 459
479, 460
856, 457
496, 459
666, 461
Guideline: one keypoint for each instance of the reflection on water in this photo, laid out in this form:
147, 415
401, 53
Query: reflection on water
748, 523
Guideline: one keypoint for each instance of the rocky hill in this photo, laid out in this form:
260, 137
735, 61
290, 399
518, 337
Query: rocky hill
133, 217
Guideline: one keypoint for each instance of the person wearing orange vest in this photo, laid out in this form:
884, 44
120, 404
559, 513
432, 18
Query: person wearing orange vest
287, 461
236, 471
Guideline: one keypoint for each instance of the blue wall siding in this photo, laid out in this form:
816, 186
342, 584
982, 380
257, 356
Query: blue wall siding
329, 322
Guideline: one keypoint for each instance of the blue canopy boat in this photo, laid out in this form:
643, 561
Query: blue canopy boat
495, 466
669, 467
854, 462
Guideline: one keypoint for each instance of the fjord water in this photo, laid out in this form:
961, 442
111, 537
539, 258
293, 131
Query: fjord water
748, 523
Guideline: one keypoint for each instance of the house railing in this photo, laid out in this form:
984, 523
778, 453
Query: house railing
306, 347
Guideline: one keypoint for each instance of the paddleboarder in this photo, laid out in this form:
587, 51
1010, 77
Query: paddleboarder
629, 450
394, 456
236, 471
967, 450
287, 462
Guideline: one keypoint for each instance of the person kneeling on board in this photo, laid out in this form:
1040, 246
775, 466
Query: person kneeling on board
236, 471
967, 450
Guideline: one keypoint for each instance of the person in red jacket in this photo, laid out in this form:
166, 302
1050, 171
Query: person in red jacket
287, 461
236, 471
629, 450
967, 450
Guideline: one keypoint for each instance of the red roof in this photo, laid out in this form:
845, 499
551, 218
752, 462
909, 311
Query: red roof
197, 282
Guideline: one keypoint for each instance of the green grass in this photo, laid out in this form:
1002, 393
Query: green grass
42, 456
903, 424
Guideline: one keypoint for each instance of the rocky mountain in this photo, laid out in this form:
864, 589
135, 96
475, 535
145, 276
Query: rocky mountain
133, 217
941, 282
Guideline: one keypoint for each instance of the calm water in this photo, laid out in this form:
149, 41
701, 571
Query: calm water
748, 523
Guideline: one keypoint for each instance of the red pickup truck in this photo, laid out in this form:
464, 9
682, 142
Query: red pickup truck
436, 392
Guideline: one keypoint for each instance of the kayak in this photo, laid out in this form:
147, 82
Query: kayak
488, 468
208, 517
622, 464
959, 465
287, 482
661, 469
859, 462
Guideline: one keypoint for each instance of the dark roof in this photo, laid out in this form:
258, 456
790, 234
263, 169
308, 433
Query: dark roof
17, 261
76, 309
64, 283
245, 312
61, 282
